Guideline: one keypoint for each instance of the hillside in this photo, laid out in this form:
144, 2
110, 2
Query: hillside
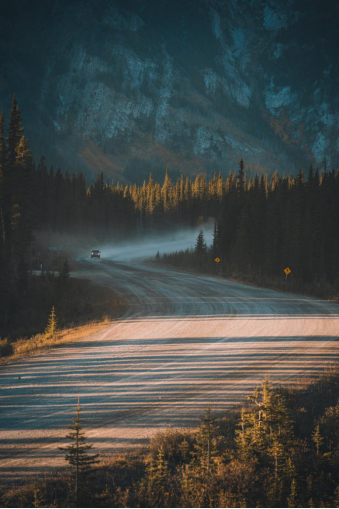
128, 86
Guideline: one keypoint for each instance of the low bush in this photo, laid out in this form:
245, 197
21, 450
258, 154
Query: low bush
6, 348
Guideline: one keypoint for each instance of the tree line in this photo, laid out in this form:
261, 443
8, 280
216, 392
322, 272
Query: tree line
16, 210
262, 224
32, 199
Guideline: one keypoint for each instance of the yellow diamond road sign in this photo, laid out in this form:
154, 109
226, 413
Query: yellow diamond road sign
287, 271
217, 260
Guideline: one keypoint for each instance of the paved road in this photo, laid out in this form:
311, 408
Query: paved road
186, 341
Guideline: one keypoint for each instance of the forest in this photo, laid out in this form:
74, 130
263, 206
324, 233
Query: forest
262, 224
281, 450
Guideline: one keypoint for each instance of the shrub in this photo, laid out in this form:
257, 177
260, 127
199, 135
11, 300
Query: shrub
175, 444
6, 348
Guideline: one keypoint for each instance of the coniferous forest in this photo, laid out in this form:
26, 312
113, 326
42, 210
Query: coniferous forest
262, 224
169, 254
280, 451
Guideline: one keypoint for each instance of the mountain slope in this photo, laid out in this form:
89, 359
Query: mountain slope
192, 85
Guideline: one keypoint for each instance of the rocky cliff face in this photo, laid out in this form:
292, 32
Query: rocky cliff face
192, 85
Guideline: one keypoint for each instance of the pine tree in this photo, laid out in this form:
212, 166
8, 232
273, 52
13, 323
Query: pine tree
52, 325
317, 439
4, 229
220, 186
216, 242
206, 442
200, 245
154, 487
22, 203
267, 431
166, 191
15, 130
5, 190
161, 469
185, 450
241, 178
80, 461
292, 499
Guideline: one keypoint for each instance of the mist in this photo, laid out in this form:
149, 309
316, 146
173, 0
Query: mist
147, 247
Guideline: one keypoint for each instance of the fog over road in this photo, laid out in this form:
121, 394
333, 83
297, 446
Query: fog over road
186, 341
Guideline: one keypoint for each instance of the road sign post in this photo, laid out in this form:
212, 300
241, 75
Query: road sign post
287, 271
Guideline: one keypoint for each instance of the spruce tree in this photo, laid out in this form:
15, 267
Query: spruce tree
206, 442
4, 226
52, 325
292, 499
22, 203
200, 245
15, 130
241, 178
267, 431
81, 462
220, 187
216, 242
317, 439
5, 195
154, 487
166, 191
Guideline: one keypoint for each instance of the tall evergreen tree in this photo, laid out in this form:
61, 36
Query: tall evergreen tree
216, 242
4, 226
200, 245
241, 178
15, 131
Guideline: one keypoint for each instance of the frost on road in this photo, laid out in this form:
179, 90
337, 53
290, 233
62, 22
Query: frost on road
186, 341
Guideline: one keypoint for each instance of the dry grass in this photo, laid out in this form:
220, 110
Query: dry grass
40, 343
77, 302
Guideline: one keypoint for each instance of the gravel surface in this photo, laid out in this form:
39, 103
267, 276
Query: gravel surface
186, 341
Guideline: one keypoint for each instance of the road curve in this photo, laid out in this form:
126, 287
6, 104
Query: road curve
186, 341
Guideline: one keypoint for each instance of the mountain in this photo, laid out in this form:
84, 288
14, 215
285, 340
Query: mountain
124, 86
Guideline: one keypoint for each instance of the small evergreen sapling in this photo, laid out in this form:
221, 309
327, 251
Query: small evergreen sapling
206, 442
52, 325
80, 461
317, 439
